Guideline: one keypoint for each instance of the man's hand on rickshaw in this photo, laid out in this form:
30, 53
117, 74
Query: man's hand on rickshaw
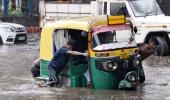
148, 46
85, 54
151, 45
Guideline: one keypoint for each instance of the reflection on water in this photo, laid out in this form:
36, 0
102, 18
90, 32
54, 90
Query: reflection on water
17, 83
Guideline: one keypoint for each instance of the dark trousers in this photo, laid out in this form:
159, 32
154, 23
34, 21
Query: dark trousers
53, 75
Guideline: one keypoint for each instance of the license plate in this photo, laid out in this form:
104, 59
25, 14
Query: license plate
21, 38
123, 56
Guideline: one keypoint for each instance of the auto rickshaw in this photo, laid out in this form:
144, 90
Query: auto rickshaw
113, 61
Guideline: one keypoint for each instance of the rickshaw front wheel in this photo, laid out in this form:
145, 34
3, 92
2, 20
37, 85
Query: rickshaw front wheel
141, 75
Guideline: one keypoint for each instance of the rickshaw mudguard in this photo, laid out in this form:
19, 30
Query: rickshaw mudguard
124, 84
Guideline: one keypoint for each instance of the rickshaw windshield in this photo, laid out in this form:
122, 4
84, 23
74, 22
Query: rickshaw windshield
113, 39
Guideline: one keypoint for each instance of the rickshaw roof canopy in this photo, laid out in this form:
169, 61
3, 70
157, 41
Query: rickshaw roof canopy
86, 23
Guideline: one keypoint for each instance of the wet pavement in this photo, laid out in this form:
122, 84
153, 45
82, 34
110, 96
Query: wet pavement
16, 82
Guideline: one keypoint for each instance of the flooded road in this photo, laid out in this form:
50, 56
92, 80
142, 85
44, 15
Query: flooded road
16, 82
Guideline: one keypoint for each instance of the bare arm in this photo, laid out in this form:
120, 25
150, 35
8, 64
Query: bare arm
76, 53
146, 50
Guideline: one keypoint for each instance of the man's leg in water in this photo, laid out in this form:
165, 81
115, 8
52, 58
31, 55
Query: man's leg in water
53, 77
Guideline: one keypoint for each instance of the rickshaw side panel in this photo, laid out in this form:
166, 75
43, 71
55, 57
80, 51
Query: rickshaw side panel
76, 74
46, 50
76, 69
72, 71
46, 44
44, 69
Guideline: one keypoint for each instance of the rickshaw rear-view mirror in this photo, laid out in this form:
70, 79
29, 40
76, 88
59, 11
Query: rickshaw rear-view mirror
135, 30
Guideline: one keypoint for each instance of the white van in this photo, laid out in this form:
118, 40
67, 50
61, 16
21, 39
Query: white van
12, 33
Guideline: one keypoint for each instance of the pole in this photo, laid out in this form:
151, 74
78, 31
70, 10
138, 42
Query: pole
6, 2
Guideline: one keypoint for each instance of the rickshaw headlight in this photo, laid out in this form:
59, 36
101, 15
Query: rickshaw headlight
111, 66
137, 62
106, 65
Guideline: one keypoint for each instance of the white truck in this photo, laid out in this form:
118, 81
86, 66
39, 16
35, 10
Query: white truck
51, 11
149, 22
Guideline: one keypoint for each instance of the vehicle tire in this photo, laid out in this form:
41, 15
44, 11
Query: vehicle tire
1, 42
25, 42
161, 48
141, 75
35, 71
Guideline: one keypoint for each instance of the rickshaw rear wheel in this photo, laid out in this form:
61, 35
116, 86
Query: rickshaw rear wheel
1, 42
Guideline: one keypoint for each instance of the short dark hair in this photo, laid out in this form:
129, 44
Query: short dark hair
71, 42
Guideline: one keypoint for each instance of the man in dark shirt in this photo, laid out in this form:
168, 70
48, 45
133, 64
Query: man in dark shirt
59, 60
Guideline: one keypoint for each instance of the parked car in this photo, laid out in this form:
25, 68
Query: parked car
12, 33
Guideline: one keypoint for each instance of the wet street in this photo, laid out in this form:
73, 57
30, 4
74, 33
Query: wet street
16, 82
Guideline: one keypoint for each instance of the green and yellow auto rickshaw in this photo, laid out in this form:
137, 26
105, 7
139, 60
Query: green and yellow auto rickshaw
113, 61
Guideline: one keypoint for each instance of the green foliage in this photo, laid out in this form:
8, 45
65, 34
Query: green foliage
14, 12
1, 12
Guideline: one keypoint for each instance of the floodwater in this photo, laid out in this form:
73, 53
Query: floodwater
16, 82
